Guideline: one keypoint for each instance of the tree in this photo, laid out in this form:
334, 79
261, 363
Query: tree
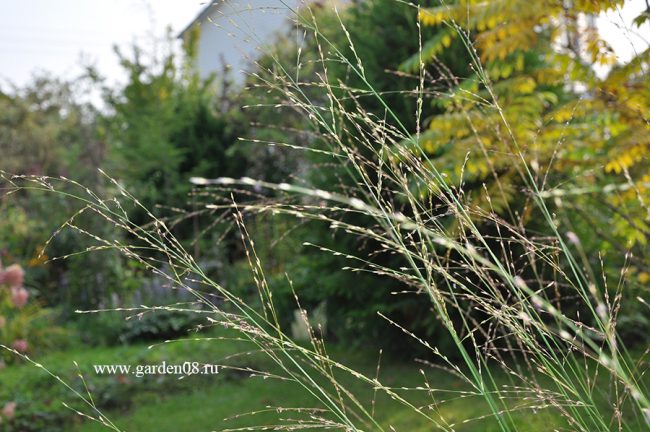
535, 114
46, 130
165, 126
374, 28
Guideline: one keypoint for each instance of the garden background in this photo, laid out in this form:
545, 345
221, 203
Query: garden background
409, 216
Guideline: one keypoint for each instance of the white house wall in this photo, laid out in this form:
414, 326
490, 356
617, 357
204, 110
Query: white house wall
234, 34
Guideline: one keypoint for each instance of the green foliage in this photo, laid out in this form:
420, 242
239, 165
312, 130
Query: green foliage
534, 111
165, 126
461, 288
354, 299
46, 129
384, 33
116, 328
39, 398
25, 326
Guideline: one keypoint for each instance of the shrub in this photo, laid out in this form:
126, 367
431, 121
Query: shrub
25, 326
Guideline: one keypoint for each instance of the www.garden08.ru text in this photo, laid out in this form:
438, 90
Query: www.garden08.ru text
186, 368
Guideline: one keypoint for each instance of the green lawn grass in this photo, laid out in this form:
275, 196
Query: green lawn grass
206, 404
213, 408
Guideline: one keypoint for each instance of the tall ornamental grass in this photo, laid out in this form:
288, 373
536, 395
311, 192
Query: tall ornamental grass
571, 364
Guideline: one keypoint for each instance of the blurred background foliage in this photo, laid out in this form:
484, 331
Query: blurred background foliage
165, 125
583, 135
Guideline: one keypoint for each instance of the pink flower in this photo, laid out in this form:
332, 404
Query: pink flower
20, 345
12, 276
19, 296
9, 410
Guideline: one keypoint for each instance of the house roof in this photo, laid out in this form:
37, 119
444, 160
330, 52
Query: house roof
211, 4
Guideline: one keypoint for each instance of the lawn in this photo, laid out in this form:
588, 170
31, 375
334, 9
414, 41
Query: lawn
199, 403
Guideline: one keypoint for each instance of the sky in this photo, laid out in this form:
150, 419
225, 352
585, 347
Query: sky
59, 35
617, 29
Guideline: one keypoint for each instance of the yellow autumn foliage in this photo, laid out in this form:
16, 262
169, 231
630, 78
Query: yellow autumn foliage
544, 99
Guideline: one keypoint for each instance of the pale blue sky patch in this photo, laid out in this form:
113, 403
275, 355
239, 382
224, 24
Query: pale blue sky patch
54, 35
